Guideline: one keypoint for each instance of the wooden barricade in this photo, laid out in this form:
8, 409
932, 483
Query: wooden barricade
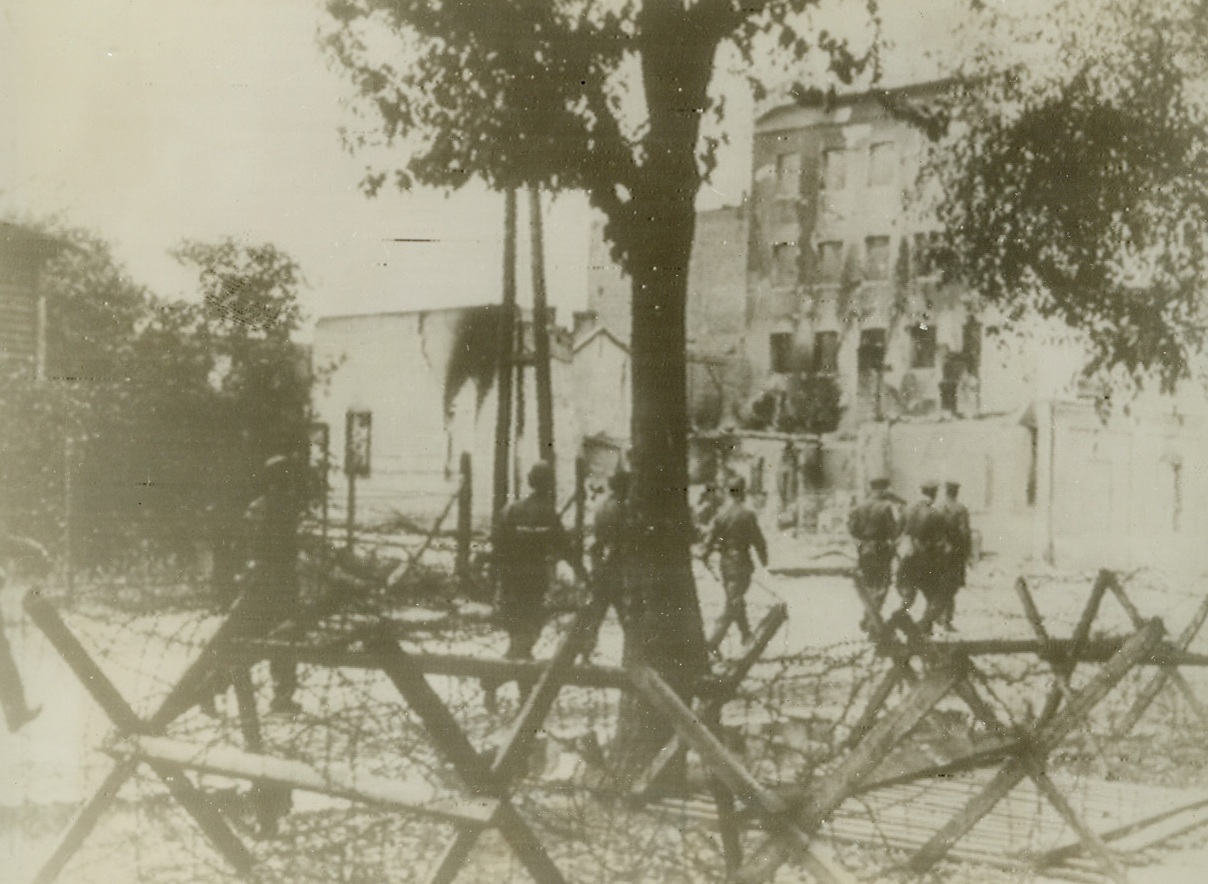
925, 671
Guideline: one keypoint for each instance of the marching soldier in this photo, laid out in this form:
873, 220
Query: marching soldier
735, 533
959, 543
922, 556
874, 525
271, 578
528, 540
607, 549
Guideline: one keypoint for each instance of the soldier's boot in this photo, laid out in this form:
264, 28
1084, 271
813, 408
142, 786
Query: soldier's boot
17, 713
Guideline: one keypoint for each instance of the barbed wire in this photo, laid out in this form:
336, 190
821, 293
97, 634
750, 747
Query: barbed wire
789, 720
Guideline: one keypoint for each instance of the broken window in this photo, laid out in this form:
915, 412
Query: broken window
876, 257
788, 174
871, 355
781, 344
784, 263
830, 260
826, 352
922, 346
971, 346
834, 169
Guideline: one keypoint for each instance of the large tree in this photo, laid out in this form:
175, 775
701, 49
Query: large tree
1074, 176
605, 98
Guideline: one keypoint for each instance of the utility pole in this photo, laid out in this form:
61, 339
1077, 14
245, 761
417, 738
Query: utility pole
545, 397
505, 359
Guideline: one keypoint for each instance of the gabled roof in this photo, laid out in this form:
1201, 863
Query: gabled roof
595, 333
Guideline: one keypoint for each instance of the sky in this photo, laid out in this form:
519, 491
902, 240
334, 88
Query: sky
155, 121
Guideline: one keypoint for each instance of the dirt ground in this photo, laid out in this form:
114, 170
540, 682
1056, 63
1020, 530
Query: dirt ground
789, 719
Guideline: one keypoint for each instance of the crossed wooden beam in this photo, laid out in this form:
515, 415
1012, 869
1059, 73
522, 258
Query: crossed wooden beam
793, 821
142, 741
224, 660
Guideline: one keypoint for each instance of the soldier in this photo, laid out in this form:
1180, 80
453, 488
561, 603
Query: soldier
528, 539
922, 557
272, 579
959, 543
874, 525
17, 711
607, 570
735, 533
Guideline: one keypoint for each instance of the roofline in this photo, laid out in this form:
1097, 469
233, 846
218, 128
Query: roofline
380, 314
817, 99
596, 332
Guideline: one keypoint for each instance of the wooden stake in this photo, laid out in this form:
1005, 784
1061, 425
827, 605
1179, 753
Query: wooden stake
505, 359
545, 396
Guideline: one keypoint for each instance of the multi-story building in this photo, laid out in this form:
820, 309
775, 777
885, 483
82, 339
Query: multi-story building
843, 273
837, 284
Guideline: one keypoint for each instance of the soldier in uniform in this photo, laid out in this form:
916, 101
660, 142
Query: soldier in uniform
607, 548
921, 563
874, 525
528, 540
17, 711
735, 533
272, 579
959, 543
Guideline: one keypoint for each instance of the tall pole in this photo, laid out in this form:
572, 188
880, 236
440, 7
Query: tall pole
545, 398
68, 568
465, 506
505, 359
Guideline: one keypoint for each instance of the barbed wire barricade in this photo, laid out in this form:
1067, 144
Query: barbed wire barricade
793, 717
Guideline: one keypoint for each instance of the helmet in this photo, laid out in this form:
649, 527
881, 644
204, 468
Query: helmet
541, 476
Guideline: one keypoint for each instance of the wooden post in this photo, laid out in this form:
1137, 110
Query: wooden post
351, 527
545, 394
504, 359
465, 503
68, 515
293, 774
580, 508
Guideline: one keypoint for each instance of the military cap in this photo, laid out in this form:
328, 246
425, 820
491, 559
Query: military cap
930, 486
952, 485
880, 483
736, 485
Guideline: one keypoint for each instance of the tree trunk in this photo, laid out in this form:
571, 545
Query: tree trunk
665, 629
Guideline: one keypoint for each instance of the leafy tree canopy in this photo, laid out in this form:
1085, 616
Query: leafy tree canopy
565, 94
162, 410
1075, 180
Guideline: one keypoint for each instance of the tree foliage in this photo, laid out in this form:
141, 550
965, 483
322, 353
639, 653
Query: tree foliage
564, 94
155, 415
1074, 180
